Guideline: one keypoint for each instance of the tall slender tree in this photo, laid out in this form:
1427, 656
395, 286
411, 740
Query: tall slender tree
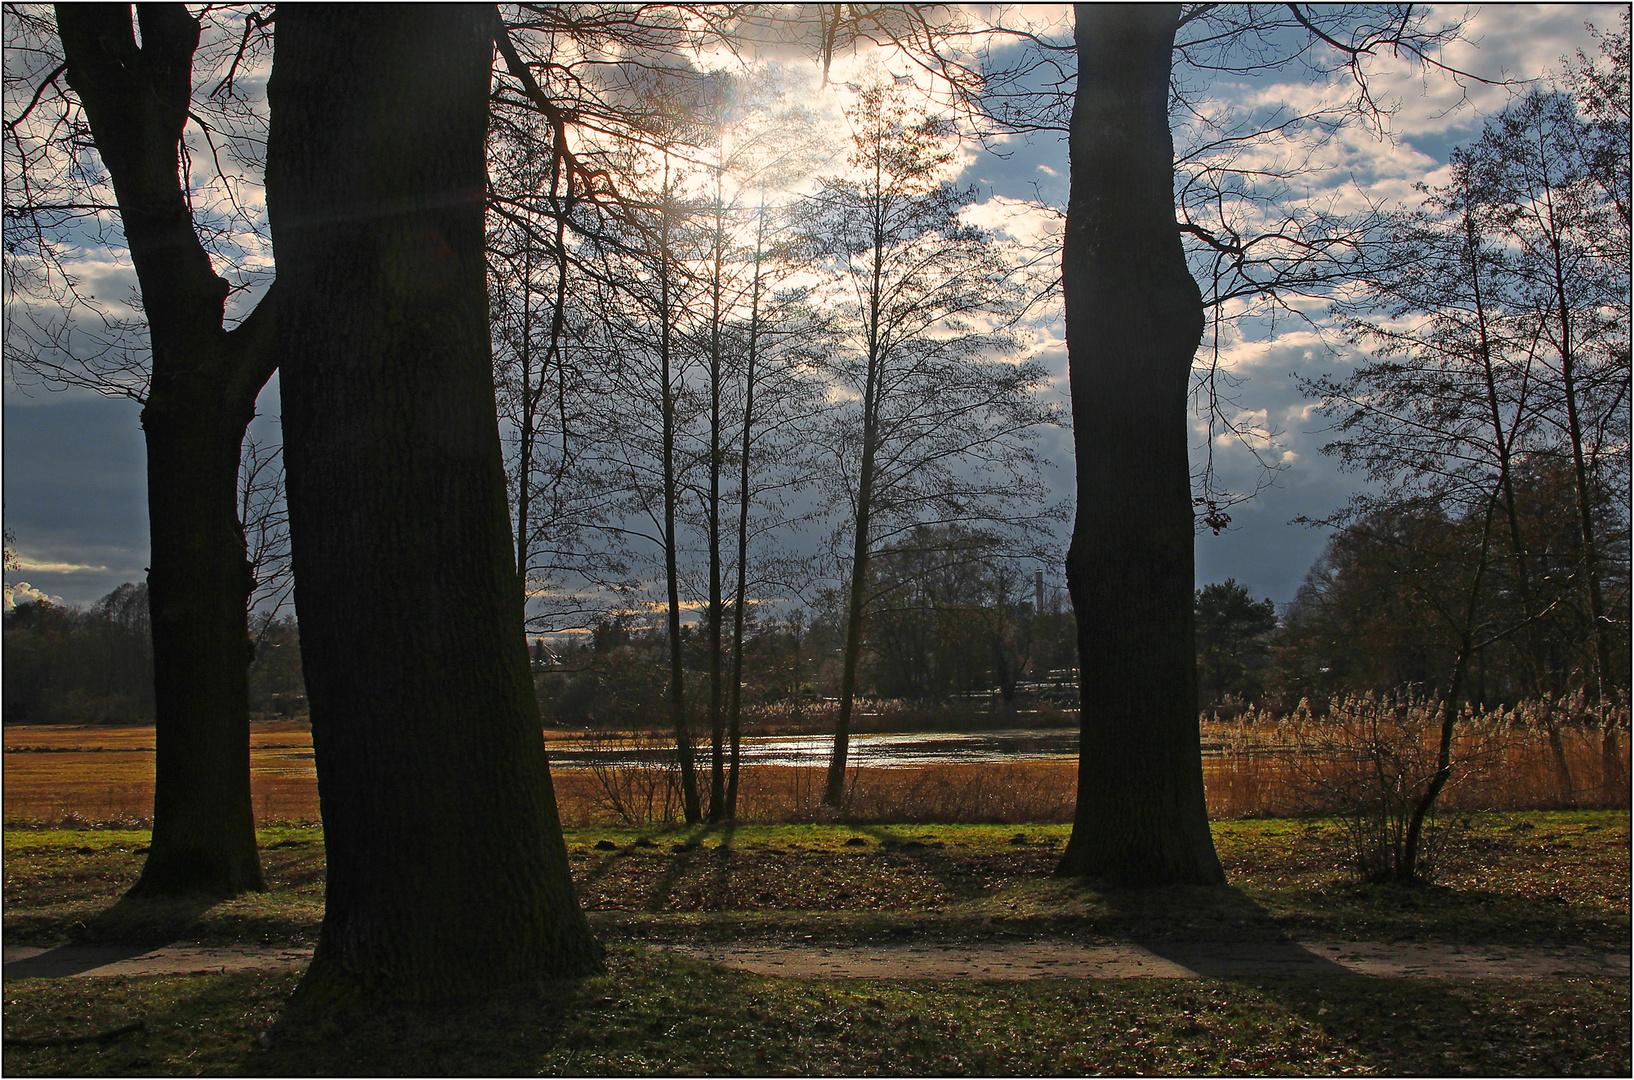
938, 430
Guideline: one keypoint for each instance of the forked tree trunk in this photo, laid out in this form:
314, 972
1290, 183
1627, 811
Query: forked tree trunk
447, 874
201, 399
1134, 319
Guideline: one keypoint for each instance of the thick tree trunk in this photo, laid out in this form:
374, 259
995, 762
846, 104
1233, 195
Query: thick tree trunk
1134, 319
447, 874
200, 400
198, 584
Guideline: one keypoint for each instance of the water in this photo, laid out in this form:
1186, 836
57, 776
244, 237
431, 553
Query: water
897, 750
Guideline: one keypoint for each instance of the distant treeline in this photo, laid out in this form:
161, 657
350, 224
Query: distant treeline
943, 631
65, 665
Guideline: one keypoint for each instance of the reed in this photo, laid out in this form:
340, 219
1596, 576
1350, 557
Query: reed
1532, 756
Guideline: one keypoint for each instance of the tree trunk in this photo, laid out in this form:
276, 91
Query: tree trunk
1407, 866
734, 728
717, 728
447, 873
1134, 319
834, 787
198, 584
677, 662
201, 399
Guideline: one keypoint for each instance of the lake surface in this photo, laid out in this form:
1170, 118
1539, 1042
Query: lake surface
897, 750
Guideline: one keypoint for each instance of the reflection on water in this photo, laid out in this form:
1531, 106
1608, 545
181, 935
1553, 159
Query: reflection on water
878, 751
899, 750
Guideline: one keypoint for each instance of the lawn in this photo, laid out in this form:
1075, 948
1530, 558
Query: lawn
1533, 879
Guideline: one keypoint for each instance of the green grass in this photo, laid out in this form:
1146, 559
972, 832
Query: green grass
658, 1013
1545, 877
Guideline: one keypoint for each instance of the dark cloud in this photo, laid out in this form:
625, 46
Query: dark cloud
76, 492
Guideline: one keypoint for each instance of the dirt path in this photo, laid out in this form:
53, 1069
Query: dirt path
1003, 960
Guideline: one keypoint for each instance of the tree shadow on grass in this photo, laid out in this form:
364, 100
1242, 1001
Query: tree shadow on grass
501, 1033
961, 876
684, 854
1220, 934
725, 860
145, 921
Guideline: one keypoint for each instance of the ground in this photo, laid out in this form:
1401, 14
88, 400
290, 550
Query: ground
916, 949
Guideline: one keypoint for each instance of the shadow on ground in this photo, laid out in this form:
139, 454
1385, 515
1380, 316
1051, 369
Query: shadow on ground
1349, 1007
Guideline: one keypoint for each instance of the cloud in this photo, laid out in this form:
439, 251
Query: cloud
34, 566
21, 593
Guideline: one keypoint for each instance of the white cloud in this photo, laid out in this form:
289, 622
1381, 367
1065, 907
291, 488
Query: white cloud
21, 593
35, 566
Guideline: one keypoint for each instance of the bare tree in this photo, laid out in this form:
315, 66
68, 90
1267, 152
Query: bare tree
118, 141
939, 427
1504, 357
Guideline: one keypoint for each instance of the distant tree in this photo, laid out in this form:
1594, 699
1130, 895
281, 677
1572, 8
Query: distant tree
276, 684
1231, 637
947, 615
1360, 622
64, 665
42, 659
927, 597
447, 872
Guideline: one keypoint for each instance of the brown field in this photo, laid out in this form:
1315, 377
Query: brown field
83, 774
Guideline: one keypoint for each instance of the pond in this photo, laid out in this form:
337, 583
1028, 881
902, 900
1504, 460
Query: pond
891, 750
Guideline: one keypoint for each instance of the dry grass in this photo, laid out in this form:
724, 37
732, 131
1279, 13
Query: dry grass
83, 775
1507, 759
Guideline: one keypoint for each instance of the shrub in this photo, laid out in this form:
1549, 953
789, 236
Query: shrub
1370, 762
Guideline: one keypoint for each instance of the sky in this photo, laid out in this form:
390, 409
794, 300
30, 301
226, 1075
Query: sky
73, 461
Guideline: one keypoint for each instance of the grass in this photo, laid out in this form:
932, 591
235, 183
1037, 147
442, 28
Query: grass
1543, 877
656, 1013
1532, 878
1536, 879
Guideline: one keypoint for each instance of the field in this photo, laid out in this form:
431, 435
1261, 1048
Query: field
84, 774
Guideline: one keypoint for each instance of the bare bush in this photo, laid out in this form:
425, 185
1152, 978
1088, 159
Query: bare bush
1369, 764
637, 780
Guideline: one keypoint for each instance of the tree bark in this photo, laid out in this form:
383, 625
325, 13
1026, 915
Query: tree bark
200, 400
447, 873
1134, 319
